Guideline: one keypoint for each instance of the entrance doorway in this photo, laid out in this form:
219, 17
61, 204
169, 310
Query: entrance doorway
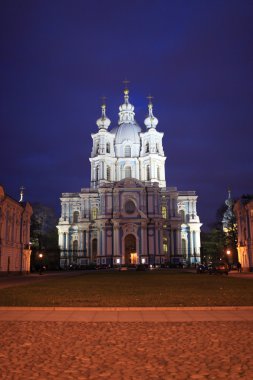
130, 250
94, 250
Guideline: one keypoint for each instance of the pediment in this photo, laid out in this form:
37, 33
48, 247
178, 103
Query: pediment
129, 182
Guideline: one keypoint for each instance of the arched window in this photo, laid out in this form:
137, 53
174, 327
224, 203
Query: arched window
128, 172
75, 216
97, 148
127, 151
147, 147
94, 213
158, 173
164, 212
108, 173
148, 172
97, 173
108, 148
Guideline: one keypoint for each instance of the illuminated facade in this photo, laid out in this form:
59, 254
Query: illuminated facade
243, 209
14, 234
128, 215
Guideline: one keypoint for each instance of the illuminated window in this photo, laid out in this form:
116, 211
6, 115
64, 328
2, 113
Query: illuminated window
94, 213
127, 151
164, 212
108, 148
108, 173
128, 172
148, 172
75, 216
165, 245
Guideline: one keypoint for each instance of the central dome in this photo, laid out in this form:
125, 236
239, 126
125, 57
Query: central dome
127, 131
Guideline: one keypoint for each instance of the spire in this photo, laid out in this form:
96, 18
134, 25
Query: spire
126, 114
103, 122
21, 194
151, 121
229, 201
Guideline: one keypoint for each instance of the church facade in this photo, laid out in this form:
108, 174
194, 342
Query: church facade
128, 216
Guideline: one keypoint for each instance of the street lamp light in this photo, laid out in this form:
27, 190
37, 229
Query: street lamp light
40, 256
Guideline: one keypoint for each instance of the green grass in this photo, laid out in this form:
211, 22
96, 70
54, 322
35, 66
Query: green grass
163, 288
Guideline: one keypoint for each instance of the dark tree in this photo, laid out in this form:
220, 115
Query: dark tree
44, 237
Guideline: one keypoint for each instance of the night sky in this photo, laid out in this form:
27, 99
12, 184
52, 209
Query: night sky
59, 57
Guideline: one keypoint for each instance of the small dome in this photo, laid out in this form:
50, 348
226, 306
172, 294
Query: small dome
151, 121
103, 122
126, 110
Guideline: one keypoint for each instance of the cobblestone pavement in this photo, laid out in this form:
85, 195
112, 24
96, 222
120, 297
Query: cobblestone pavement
122, 351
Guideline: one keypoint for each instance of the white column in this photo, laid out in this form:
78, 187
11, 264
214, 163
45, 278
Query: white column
61, 243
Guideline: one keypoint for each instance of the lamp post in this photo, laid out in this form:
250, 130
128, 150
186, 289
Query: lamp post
228, 252
40, 255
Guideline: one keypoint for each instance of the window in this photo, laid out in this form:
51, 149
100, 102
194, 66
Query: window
128, 172
164, 212
147, 148
97, 149
108, 148
130, 207
165, 245
127, 151
75, 216
108, 173
75, 245
97, 173
184, 248
157, 148
148, 172
182, 214
94, 213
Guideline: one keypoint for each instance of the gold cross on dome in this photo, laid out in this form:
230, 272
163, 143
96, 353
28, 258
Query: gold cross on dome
103, 98
126, 82
150, 99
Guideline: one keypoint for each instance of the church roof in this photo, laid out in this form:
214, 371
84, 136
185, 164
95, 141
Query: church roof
127, 131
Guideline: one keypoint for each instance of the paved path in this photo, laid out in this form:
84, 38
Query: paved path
126, 314
31, 350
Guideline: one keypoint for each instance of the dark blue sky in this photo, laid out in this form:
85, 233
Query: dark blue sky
59, 57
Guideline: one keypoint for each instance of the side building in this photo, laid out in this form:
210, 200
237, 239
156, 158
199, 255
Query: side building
15, 220
243, 209
128, 215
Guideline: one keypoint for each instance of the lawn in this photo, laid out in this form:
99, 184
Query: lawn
161, 288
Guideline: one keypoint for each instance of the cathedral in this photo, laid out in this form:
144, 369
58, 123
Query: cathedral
128, 216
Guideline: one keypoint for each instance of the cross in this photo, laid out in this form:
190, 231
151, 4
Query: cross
126, 82
150, 99
103, 98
